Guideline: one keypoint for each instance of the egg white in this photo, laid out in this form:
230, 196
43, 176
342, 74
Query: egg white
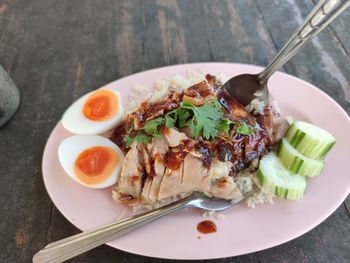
76, 122
71, 147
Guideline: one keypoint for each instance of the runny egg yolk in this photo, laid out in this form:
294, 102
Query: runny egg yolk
95, 164
101, 105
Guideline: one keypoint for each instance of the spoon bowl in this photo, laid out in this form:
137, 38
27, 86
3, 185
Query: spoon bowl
245, 87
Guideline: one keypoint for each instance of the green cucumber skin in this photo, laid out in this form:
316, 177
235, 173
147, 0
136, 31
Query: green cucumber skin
298, 165
261, 177
326, 150
278, 191
295, 137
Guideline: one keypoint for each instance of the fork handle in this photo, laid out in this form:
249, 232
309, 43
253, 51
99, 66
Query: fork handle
69, 247
322, 14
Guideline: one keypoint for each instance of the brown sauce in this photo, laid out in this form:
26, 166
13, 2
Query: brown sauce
174, 159
118, 135
149, 111
204, 149
233, 109
166, 130
188, 145
206, 227
213, 81
199, 90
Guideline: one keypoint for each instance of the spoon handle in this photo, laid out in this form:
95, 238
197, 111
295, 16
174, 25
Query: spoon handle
69, 247
322, 14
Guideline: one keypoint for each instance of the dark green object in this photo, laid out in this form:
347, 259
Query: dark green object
9, 97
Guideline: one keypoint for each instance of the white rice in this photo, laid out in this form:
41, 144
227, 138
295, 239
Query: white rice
247, 179
208, 213
256, 106
212, 213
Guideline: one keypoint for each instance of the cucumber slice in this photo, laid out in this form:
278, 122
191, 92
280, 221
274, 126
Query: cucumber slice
310, 140
297, 163
274, 177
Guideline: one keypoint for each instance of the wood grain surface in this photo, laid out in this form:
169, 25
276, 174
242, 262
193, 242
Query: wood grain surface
55, 51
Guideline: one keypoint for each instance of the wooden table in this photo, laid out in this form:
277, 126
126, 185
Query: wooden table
55, 51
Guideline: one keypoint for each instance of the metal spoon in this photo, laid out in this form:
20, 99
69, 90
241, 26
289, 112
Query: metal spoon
244, 88
75, 245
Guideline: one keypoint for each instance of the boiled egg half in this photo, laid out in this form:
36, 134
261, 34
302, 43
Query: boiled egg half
94, 113
91, 160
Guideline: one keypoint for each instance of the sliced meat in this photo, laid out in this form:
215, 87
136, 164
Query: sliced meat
266, 120
280, 126
174, 137
171, 184
274, 124
148, 166
129, 184
221, 184
195, 175
234, 110
157, 149
149, 111
213, 81
159, 170
199, 93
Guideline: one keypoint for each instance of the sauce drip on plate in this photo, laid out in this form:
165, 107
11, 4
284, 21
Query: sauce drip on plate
206, 227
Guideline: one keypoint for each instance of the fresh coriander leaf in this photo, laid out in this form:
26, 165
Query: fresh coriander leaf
224, 125
243, 128
156, 136
151, 127
195, 128
216, 103
128, 140
183, 116
204, 119
169, 122
140, 138
207, 117
170, 119
187, 105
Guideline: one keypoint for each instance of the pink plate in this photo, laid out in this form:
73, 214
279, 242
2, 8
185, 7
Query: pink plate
243, 230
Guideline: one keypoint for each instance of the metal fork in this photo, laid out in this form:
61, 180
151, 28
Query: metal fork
75, 245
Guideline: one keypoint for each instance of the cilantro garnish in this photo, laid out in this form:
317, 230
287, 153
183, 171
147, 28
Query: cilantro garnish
141, 138
151, 127
224, 126
243, 128
203, 121
170, 119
